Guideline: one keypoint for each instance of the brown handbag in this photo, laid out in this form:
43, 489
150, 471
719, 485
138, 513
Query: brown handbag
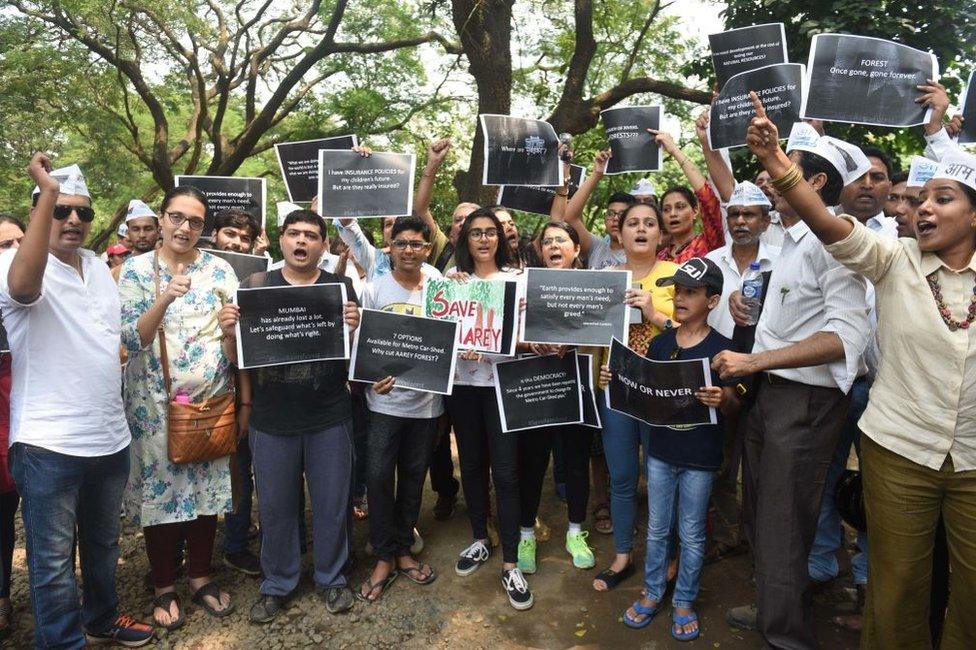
196, 432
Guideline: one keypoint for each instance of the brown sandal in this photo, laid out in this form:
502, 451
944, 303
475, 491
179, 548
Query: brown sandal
602, 523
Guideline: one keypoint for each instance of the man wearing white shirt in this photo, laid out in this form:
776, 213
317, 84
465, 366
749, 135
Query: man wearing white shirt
69, 440
747, 218
810, 338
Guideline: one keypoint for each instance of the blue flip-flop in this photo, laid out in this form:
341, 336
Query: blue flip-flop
647, 612
679, 619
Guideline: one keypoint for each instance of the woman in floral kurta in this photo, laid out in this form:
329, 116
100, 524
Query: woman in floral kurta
176, 501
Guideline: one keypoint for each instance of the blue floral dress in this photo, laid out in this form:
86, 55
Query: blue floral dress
159, 491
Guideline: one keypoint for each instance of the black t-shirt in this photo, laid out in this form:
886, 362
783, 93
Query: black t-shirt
696, 447
299, 397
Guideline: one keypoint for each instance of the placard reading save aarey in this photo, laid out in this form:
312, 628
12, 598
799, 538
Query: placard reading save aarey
418, 352
865, 80
486, 311
299, 162
353, 186
660, 393
575, 307
294, 324
538, 392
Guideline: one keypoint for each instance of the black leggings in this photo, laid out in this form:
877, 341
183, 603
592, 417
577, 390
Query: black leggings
534, 449
577, 443
481, 444
8, 508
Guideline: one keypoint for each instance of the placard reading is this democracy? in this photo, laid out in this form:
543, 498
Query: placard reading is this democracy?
536, 392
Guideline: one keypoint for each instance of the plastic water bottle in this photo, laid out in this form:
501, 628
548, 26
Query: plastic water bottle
752, 289
182, 397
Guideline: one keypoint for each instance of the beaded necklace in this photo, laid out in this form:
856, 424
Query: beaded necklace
952, 324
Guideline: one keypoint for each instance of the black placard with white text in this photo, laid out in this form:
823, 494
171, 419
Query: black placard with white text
575, 307
537, 199
591, 414
968, 101
299, 163
292, 324
633, 149
660, 393
229, 193
865, 80
356, 186
243, 264
780, 88
418, 352
520, 151
536, 392
747, 48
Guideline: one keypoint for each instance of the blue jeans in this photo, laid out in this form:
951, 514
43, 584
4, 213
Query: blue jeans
622, 438
237, 524
822, 561
59, 493
691, 488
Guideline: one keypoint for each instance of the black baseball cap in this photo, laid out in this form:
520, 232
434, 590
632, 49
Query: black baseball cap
696, 272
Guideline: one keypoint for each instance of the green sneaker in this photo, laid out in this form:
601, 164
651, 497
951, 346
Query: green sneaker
526, 556
577, 547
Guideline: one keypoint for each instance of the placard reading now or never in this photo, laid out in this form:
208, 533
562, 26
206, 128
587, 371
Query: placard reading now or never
575, 307
353, 186
299, 162
538, 392
780, 89
293, 324
228, 193
420, 353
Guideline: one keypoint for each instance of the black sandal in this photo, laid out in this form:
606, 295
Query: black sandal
418, 570
211, 589
163, 602
382, 585
613, 578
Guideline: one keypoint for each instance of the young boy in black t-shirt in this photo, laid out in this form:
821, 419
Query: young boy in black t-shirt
682, 461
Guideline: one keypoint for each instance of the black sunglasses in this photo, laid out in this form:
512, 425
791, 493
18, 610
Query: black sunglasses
62, 212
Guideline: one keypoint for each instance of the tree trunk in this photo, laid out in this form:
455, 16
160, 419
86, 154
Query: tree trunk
485, 30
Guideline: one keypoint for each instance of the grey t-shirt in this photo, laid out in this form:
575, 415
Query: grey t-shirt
602, 256
386, 294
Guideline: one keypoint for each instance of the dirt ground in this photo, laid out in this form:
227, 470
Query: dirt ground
453, 612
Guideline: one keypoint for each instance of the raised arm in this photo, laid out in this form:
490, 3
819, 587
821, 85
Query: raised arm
691, 172
763, 140
558, 210
436, 153
718, 171
573, 214
26, 272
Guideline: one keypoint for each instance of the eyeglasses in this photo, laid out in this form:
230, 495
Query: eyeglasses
177, 219
487, 233
412, 244
615, 214
549, 241
62, 212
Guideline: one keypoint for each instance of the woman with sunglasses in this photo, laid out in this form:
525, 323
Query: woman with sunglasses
177, 502
560, 249
623, 436
483, 253
680, 205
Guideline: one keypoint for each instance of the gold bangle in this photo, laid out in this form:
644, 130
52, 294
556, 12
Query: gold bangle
788, 180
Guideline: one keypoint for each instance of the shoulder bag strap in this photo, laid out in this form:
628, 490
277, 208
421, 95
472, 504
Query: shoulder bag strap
163, 357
